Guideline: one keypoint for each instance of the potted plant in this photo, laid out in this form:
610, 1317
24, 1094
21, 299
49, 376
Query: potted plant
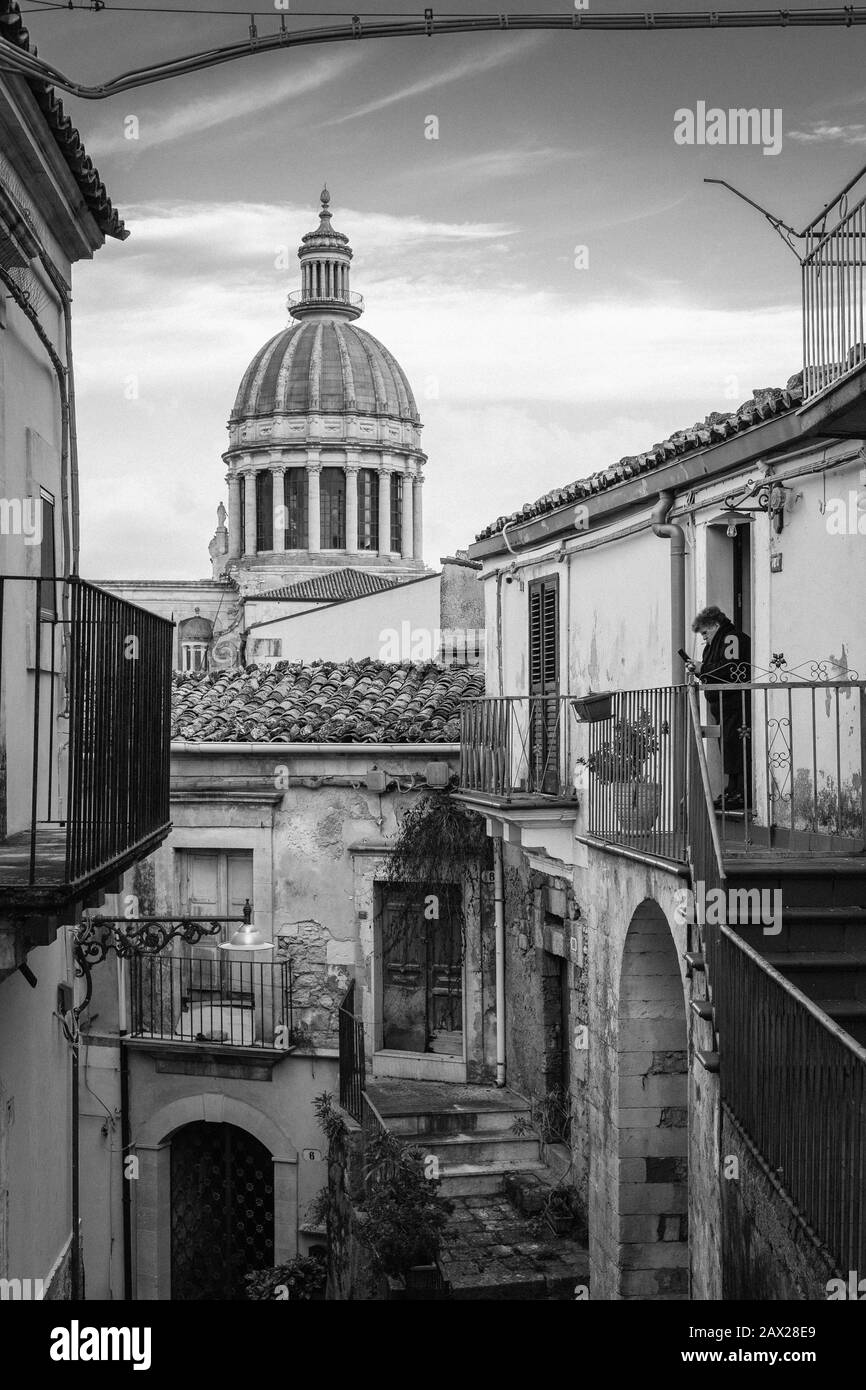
594, 706
620, 762
561, 1210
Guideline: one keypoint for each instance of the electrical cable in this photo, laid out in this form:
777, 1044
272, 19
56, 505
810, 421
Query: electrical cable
15, 59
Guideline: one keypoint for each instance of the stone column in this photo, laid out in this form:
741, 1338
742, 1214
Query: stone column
250, 513
314, 513
278, 476
384, 510
351, 471
234, 483
418, 520
408, 515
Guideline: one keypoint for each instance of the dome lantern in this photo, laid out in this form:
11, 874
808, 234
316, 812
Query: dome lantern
325, 256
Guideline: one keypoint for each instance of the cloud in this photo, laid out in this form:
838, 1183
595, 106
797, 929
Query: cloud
234, 103
498, 57
521, 389
504, 163
823, 133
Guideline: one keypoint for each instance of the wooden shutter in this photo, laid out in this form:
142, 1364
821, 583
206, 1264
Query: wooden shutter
544, 681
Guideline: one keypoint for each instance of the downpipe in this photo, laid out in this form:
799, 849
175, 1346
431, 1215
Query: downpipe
499, 922
677, 537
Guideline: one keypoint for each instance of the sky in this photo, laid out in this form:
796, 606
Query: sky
553, 274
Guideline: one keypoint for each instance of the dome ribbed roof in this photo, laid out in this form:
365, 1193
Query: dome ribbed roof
325, 365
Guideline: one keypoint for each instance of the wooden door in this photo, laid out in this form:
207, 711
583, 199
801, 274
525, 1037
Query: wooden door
422, 973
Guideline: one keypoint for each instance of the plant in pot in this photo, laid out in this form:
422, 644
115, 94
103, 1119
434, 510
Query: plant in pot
621, 762
561, 1210
404, 1214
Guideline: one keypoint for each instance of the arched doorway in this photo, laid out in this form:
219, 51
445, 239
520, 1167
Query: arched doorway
222, 1211
652, 1113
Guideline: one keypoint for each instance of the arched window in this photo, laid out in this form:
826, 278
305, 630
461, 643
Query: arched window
368, 509
332, 507
397, 513
194, 637
264, 511
295, 502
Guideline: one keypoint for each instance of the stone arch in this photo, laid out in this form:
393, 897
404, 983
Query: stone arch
152, 1192
652, 1113
215, 1108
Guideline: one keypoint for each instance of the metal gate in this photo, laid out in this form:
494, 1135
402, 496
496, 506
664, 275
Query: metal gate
222, 1211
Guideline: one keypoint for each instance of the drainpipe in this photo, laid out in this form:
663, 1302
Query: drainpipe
677, 537
125, 1135
499, 920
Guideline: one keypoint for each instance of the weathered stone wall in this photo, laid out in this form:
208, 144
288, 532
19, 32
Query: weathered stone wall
351, 1276
610, 890
544, 955
767, 1254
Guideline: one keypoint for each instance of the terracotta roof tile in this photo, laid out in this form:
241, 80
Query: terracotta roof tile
336, 584
326, 702
717, 426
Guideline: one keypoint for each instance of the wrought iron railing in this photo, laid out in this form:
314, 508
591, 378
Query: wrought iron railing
796, 1085
517, 746
353, 1076
704, 849
300, 297
69, 650
786, 759
223, 1001
834, 279
635, 761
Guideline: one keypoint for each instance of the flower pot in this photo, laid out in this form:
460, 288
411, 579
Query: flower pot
560, 1222
593, 707
636, 806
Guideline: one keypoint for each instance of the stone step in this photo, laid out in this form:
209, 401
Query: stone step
443, 1123
815, 928
482, 1146
806, 881
476, 1179
823, 974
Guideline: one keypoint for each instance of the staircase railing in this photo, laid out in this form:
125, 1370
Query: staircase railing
704, 847
353, 1078
792, 1080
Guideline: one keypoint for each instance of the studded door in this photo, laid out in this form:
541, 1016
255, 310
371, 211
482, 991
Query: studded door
222, 1211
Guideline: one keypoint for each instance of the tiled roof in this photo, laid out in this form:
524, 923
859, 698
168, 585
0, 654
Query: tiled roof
763, 405
93, 190
326, 702
330, 587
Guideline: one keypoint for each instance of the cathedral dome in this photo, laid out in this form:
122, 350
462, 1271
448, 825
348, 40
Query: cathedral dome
324, 364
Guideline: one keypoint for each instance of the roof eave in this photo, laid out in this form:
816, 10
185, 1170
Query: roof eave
713, 460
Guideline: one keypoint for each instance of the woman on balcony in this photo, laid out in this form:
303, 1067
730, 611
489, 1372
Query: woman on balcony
725, 661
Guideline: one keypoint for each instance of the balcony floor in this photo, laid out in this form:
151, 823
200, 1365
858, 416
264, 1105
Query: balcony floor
50, 889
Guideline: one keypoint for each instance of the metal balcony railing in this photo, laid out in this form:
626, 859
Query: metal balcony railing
794, 748
517, 747
222, 1002
86, 681
299, 298
834, 280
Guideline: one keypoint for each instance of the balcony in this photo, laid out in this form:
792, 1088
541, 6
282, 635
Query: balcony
517, 750
834, 321
204, 1003
796, 748
86, 690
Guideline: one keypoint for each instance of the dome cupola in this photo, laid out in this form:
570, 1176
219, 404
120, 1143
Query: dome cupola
325, 257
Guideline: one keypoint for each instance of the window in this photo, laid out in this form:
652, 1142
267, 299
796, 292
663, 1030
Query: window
396, 513
332, 509
368, 509
266, 647
295, 502
264, 511
193, 656
47, 558
214, 883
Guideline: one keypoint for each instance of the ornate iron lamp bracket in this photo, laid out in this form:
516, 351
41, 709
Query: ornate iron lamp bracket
767, 495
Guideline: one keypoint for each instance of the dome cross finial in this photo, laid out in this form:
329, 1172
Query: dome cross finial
325, 196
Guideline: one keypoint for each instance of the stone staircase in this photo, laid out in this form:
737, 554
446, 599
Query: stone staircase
478, 1134
822, 945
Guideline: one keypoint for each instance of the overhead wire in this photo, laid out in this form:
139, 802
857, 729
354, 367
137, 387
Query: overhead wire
15, 59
